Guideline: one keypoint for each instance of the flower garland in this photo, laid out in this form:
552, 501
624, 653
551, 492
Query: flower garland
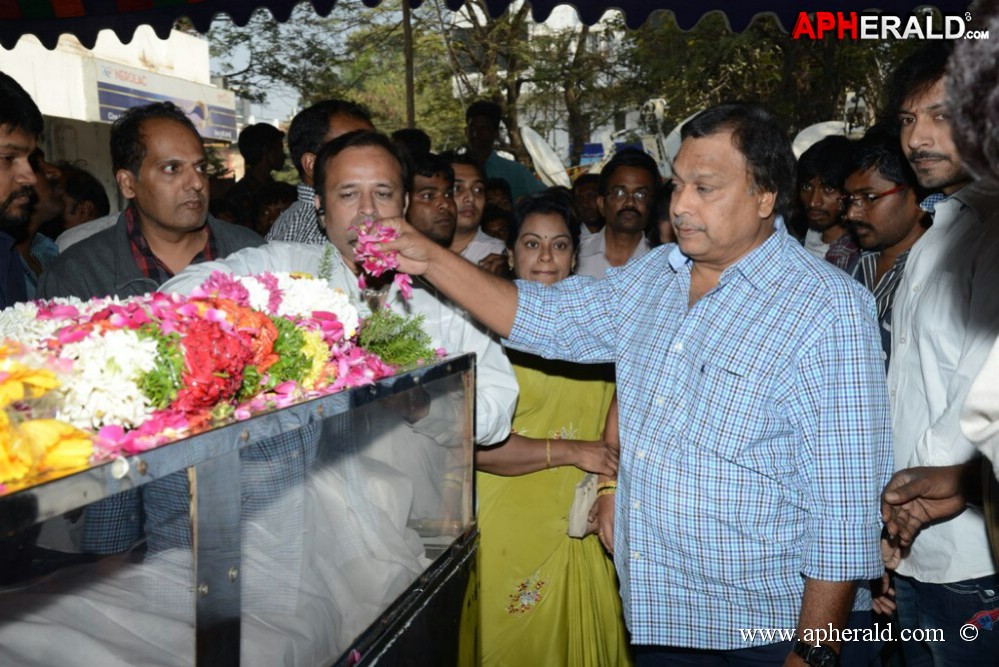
374, 260
140, 372
32, 442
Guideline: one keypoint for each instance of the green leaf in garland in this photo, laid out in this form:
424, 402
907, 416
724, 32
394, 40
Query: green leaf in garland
293, 363
251, 386
397, 339
161, 384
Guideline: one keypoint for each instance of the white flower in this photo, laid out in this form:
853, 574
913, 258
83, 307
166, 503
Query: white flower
20, 322
103, 387
259, 294
303, 296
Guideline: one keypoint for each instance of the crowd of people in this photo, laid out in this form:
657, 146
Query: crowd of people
726, 419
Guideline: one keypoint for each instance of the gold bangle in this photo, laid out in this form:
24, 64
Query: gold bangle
548, 454
606, 485
606, 492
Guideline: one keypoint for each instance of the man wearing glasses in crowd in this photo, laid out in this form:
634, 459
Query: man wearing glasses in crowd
626, 189
881, 208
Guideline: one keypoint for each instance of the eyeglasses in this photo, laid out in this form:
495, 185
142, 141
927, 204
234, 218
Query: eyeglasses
868, 198
620, 194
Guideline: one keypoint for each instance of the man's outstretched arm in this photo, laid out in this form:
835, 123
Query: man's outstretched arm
490, 300
915, 497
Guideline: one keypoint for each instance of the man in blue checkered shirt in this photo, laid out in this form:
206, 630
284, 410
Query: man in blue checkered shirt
755, 433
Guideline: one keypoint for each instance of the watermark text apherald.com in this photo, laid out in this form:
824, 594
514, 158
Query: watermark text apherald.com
875, 633
853, 25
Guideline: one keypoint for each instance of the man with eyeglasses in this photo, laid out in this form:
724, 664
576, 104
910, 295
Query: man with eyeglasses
945, 319
626, 189
882, 210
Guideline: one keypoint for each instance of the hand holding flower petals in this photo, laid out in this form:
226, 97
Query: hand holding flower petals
374, 260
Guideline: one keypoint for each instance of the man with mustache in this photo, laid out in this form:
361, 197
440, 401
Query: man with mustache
625, 192
20, 126
160, 165
753, 412
431, 205
945, 318
48, 201
882, 211
364, 175
821, 170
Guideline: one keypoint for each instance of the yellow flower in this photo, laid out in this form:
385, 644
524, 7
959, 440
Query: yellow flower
15, 454
319, 353
17, 379
40, 445
57, 445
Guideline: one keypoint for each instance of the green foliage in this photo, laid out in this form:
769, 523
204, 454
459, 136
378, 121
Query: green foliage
398, 340
582, 75
251, 383
574, 79
216, 161
355, 52
162, 383
293, 363
803, 81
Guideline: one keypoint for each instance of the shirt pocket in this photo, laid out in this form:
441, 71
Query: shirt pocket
731, 407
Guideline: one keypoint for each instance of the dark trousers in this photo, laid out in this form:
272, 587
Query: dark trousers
967, 612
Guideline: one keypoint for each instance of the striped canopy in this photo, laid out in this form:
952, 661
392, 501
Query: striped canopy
47, 19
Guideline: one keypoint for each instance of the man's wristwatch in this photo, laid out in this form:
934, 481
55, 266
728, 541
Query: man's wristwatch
816, 656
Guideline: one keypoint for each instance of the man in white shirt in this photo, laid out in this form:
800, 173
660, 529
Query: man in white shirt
626, 189
362, 175
944, 323
470, 198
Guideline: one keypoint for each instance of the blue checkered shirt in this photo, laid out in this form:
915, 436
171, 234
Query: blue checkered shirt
754, 427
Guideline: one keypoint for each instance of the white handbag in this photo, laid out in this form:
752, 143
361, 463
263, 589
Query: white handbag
582, 502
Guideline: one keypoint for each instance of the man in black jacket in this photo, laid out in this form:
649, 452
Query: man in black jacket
160, 166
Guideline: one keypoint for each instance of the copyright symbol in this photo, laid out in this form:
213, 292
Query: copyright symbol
969, 632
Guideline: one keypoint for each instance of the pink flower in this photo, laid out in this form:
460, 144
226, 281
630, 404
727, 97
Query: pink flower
404, 282
129, 316
270, 281
328, 326
162, 427
223, 286
374, 261
72, 334
47, 311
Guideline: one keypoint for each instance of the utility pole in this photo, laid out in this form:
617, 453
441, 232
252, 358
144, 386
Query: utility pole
407, 49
